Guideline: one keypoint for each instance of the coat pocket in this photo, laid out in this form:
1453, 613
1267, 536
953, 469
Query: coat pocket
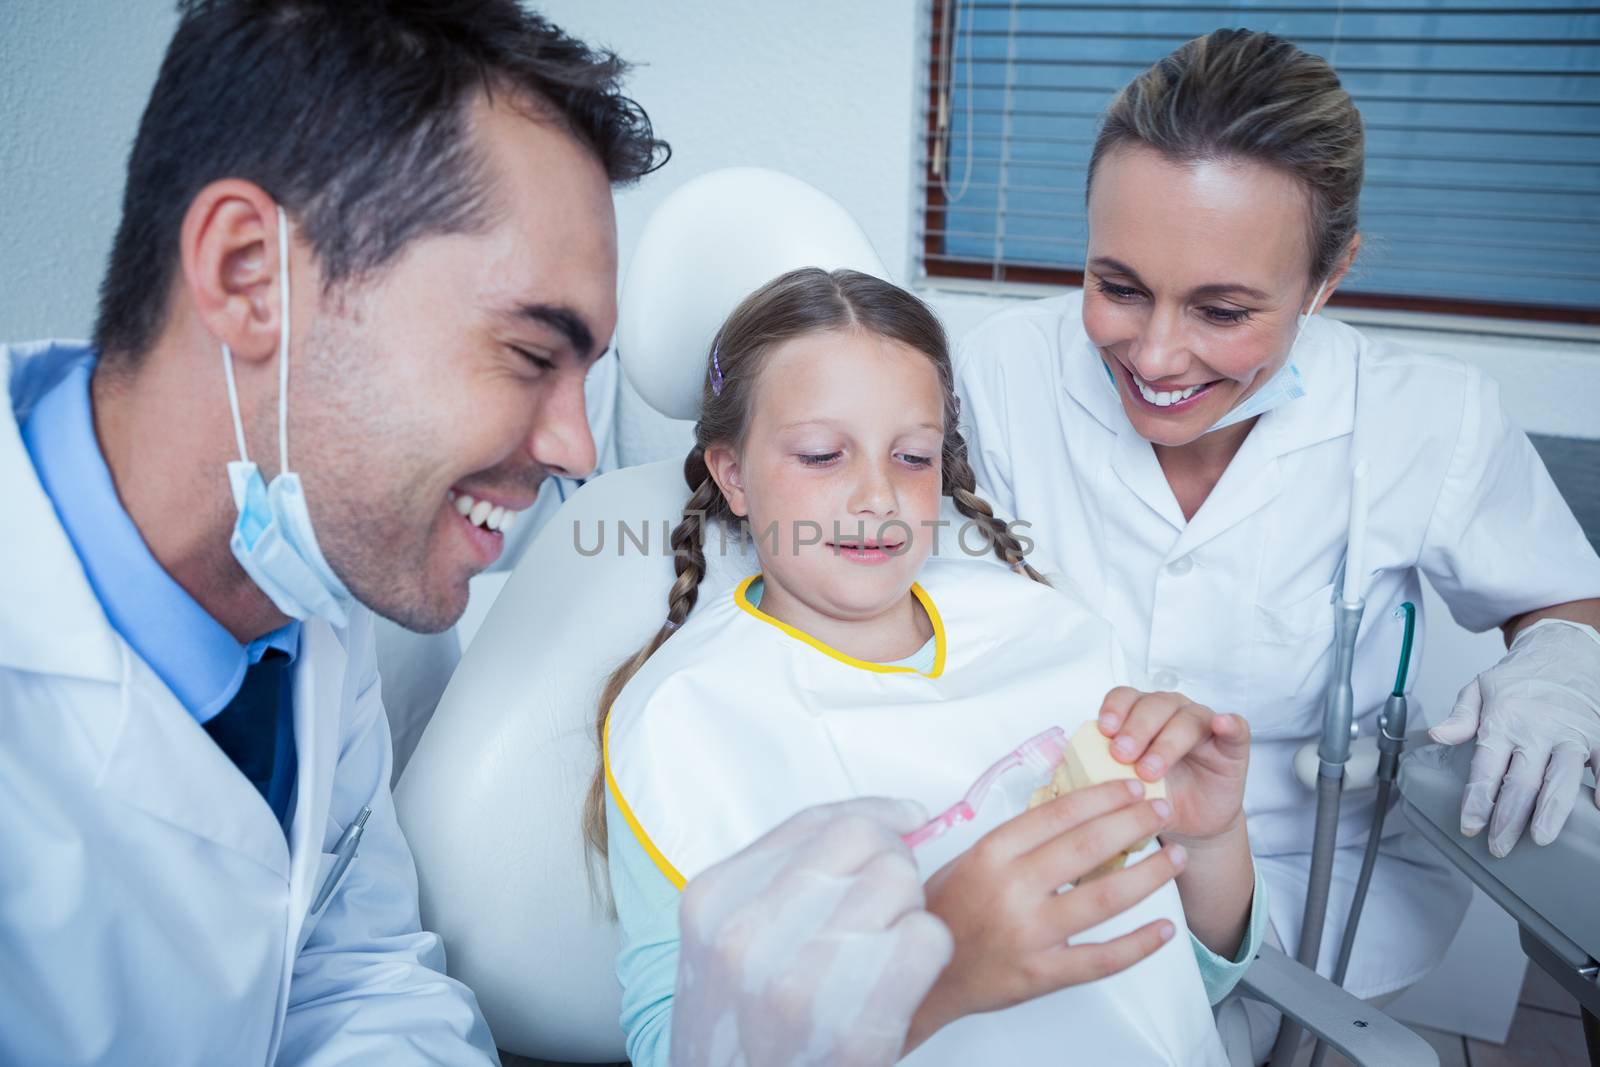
1311, 617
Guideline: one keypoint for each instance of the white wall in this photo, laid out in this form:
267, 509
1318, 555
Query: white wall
74, 75
821, 90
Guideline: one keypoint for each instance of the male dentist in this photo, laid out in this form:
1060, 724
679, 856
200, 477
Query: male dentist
367, 254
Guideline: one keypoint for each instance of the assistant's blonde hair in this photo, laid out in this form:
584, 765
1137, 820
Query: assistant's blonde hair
1244, 94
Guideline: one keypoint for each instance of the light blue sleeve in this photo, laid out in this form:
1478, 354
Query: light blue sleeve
647, 965
1220, 975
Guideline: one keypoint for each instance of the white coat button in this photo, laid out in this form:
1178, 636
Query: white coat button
1180, 566
1165, 680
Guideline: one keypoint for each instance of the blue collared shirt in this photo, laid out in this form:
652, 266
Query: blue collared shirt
198, 659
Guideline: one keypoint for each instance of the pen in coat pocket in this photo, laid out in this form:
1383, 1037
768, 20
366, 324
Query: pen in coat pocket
344, 852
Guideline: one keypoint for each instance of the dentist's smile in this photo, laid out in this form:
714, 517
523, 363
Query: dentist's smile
1164, 400
486, 521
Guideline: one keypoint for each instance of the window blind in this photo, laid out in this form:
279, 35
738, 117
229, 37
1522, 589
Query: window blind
1482, 132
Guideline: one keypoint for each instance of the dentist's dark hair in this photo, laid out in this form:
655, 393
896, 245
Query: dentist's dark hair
801, 302
353, 115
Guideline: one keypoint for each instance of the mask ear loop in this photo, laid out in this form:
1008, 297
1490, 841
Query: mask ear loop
283, 345
233, 402
1306, 317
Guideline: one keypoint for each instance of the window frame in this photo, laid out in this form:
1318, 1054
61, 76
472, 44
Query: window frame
935, 266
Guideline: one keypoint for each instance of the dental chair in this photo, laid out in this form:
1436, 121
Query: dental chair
491, 799
1553, 891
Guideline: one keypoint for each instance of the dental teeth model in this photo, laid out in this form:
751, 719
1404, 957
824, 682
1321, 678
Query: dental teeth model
1088, 761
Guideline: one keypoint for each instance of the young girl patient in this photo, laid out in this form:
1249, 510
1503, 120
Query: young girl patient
862, 660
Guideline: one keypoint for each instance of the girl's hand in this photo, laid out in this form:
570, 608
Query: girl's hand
1011, 926
1202, 755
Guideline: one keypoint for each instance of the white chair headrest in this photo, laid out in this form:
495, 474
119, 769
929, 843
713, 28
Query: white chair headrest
710, 244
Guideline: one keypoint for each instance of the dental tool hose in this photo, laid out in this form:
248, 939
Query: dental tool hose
1391, 743
1338, 721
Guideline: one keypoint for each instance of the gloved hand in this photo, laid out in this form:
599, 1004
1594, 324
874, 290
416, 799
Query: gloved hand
809, 947
1536, 715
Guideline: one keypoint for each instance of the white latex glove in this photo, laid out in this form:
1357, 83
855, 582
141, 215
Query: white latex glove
1536, 715
809, 947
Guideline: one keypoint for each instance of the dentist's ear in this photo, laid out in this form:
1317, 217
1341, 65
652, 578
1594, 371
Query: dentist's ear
228, 249
1337, 276
723, 463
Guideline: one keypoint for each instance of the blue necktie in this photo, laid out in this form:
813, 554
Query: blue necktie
256, 731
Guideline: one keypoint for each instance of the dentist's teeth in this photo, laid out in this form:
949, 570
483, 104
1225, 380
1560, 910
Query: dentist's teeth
482, 513
1165, 398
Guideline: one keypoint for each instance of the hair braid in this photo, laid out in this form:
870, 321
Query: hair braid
689, 563
962, 486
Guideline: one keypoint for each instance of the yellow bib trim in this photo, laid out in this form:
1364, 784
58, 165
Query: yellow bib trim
741, 597
650, 848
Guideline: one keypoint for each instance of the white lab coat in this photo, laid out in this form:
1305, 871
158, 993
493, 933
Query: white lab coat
1233, 607
151, 910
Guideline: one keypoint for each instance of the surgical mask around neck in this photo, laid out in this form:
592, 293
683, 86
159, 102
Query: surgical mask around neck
1282, 387
272, 538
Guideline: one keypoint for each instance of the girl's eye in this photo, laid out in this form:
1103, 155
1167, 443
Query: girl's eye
1117, 292
1225, 316
920, 462
818, 459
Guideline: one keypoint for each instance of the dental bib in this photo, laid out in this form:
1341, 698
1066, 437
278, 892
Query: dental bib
739, 721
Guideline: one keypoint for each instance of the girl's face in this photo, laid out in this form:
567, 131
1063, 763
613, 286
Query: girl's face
839, 474
1195, 279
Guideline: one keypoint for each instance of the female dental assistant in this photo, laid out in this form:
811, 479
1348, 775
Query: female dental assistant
1181, 434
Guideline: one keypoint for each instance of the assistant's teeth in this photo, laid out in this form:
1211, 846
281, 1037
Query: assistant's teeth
479, 512
1164, 399
464, 503
496, 517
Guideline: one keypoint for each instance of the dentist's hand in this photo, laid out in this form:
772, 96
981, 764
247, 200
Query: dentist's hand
1536, 717
809, 947
1202, 755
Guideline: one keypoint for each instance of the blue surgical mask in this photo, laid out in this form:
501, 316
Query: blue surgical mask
1282, 387
273, 539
